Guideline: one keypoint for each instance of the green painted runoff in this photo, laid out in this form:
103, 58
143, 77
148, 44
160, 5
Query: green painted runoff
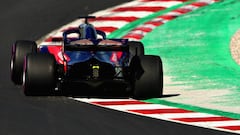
195, 49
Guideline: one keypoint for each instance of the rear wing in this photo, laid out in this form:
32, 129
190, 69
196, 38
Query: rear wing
123, 48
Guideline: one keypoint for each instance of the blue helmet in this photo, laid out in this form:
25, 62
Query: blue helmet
87, 31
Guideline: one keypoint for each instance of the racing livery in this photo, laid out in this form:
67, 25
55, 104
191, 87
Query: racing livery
88, 63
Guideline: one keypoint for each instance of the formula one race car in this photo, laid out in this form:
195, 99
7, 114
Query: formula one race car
88, 63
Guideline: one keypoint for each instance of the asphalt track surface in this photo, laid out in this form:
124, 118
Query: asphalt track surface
20, 115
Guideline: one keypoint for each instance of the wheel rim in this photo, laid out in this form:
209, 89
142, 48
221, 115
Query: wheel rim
11, 65
24, 78
24, 74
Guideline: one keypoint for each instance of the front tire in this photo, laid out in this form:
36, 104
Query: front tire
39, 77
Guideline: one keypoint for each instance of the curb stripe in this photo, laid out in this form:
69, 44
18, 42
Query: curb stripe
120, 103
139, 107
182, 10
218, 123
183, 115
168, 113
155, 23
140, 8
134, 36
159, 111
116, 18
107, 29
144, 29
110, 23
167, 17
231, 127
199, 4
203, 119
138, 14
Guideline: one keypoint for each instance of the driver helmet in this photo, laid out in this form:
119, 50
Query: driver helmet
87, 31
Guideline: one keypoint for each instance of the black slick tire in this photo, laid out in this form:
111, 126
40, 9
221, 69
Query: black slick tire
135, 48
149, 81
19, 50
39, 77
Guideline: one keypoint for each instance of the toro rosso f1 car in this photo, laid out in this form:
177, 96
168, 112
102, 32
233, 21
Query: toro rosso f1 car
86, 62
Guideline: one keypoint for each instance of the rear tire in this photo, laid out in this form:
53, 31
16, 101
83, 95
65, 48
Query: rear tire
39, 77
135, 48
150, 83
19, 50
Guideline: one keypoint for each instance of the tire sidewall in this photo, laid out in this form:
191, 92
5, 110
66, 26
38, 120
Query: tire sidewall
19, 50
39, 74
150, 83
